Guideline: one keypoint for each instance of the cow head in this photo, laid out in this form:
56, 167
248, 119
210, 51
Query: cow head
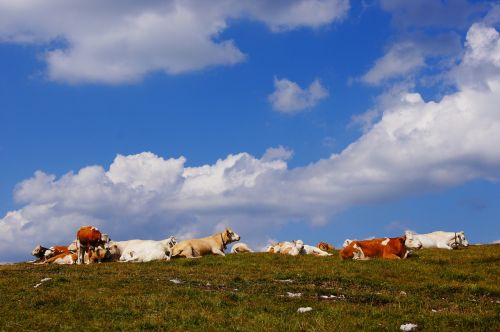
460, 240
357, 252
346, 242
411, 242
73, 246
299, 244
172, 241
98, 254
105, 238
39, 251
325, 246
231, 236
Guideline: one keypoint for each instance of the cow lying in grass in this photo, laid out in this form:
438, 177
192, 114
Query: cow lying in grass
42, 253
388, 248
440, 239
311, 250
287, 248
144, 250
325, 246
210, 245
239, 248
94, 255
295, 248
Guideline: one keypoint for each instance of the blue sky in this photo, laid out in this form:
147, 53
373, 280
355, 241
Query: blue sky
319, 120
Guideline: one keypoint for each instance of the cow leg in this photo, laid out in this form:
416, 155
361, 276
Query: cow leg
217, 251
444, 246
80, 251
391, 256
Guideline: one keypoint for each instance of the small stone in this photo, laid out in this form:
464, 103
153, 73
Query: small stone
408, 327
304, 309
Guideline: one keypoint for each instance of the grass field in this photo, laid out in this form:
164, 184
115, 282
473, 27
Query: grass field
438, 290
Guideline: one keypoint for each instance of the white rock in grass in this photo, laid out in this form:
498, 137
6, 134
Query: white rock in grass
408, 327
41, 282
290, 294
175, 281
304, 309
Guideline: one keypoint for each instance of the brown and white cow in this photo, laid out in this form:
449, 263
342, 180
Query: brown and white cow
325, 246
43, 253
388, 248
87, 239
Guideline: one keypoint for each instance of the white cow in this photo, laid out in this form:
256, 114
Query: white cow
440, 239
293, 248
144, 250
240, 248
311, 250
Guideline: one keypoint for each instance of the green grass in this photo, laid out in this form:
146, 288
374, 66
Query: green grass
244, 293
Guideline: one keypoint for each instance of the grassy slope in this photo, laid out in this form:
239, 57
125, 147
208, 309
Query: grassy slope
243, 293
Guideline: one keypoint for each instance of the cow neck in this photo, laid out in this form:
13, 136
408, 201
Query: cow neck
222, 239
455, 242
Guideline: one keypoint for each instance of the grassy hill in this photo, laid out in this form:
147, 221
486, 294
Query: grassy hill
436, 289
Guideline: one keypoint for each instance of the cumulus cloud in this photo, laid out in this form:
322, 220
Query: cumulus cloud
418, 51
415, 146
121, 41
289, 97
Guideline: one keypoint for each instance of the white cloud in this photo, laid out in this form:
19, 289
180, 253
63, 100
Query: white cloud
399, 60
290, 97
431, 13
405, 58
279, 153
415, 146
121, 41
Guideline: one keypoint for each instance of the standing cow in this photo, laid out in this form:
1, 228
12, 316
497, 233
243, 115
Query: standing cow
87, 239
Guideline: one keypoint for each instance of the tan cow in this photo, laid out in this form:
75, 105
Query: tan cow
214, 245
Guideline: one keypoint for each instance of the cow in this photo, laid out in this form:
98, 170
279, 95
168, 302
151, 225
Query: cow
388, 248
325, 246
43, 253
87, 238
215, 245
145, 250
441, 240
311, 250
92, 256
293, 248
240, 248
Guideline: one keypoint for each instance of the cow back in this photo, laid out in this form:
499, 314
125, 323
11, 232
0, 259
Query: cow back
89, 235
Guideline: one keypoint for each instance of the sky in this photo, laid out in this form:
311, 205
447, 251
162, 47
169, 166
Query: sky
317, 120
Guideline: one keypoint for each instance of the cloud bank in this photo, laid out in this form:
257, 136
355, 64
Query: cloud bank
123, 40
415, 146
